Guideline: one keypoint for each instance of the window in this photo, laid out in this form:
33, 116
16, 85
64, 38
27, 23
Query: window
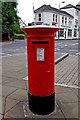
39, 16
53, 17
65, 20
62, 19
56, 18
69, 33
70, 22
61, 33
75, 32
76, 22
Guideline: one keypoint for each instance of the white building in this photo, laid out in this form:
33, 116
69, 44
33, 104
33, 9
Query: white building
66, 20
73, 11
78, 6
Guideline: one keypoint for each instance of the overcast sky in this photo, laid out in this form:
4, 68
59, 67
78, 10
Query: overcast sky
25, 7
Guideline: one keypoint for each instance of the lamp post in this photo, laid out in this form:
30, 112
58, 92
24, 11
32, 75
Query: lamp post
59, 18
33, 14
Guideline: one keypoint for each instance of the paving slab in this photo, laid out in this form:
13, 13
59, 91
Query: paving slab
14, 87
1, 116
70, 110
10, 103
16, 84
14, 66
1, 79
67, 106
55, 114
8, 79
7, 90
65, 70
20, 95
79, 109
60, 67
77, 92
2, 107
60, 89
13, 74
7, 117
67, 97
0, 89
16, 112
0, 104
3, 104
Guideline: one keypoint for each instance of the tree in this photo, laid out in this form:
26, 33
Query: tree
10, 20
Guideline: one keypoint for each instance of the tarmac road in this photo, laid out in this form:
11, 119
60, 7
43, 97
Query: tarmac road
19, 47
68, 46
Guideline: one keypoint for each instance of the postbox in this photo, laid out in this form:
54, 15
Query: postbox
40, 52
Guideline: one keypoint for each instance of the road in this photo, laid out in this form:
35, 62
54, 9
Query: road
11, 48
68, 46
19, 47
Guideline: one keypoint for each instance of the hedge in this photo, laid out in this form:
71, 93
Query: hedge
19, 36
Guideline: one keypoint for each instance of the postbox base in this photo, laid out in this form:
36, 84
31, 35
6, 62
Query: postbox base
41, 105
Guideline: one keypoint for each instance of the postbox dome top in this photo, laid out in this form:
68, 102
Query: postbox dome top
40, 30
41, 26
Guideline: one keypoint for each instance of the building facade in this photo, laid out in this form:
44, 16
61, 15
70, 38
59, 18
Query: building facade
78, 6
65, 19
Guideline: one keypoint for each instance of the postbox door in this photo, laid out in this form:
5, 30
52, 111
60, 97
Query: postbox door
41, 80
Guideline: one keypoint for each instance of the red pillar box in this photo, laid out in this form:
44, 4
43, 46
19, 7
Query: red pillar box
40, 48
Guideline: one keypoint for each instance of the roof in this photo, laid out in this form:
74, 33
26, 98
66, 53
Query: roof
70, 6
48, 8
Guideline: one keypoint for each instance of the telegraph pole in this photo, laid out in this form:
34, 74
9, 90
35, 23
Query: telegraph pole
33, 13
59, 19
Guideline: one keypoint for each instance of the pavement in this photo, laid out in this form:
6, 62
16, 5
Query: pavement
14, 88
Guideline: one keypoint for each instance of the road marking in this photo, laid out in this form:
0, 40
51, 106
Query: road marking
9, 55
75, 44
65, 45
73, 50
78, 53
1, 54
56, 49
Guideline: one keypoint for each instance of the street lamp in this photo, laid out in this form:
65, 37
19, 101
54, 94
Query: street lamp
59, 18
60, 3
33, 13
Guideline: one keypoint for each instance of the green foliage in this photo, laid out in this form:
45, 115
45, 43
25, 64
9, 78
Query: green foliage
19, 36
0, 19
16, 28
10, 20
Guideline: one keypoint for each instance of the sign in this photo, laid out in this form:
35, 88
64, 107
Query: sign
65, 26
40, 54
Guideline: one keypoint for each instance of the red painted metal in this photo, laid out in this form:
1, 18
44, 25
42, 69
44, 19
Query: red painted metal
40, 50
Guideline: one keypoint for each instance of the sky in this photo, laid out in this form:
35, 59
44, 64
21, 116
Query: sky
25, 7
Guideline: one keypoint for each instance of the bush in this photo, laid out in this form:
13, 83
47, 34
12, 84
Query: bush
19, 36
